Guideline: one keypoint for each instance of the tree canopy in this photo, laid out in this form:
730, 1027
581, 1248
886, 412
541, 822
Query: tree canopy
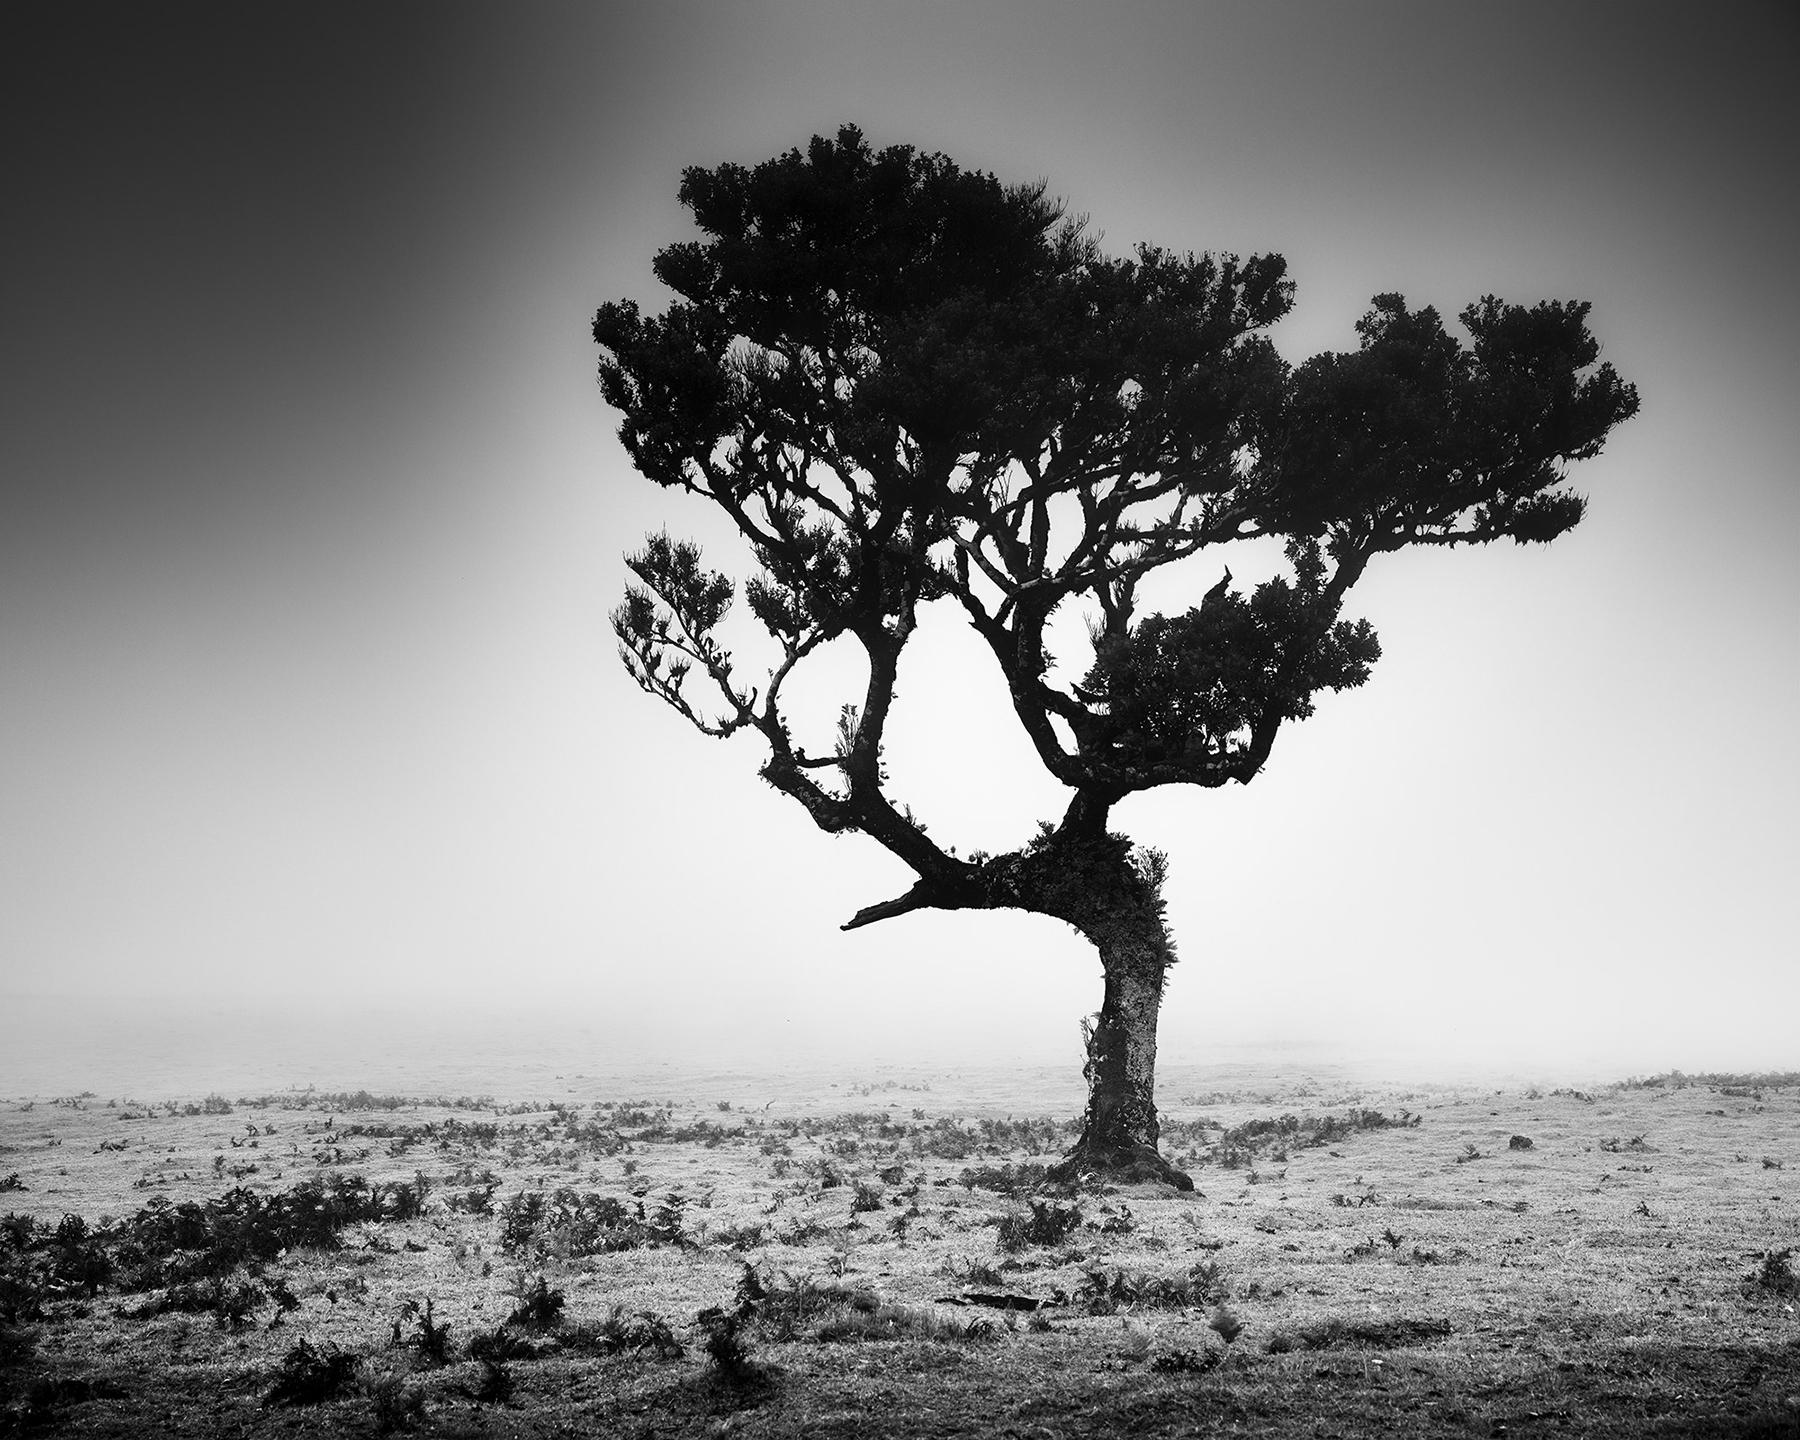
905, 382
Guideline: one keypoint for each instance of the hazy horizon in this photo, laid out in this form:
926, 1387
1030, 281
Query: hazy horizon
151, 1050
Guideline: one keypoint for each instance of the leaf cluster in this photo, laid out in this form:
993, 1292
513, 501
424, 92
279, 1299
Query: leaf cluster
904, 382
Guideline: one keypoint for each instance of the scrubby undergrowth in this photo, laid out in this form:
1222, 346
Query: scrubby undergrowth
352, 1263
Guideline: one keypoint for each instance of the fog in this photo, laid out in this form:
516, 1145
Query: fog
311, 727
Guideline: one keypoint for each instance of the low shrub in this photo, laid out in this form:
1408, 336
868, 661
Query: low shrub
619, 1331
539, 1306
1045, 1223
1105, 1292
311, 1377
1339, 1334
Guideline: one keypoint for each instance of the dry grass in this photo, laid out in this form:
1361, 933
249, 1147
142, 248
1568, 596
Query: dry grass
1623, 1275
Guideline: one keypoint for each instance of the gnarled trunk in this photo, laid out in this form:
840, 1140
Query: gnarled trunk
1120, 1131
1111, 893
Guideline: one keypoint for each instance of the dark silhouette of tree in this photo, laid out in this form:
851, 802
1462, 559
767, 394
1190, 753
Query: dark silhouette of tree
908, 383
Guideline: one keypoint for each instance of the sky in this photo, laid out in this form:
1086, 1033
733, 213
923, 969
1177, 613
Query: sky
311, 515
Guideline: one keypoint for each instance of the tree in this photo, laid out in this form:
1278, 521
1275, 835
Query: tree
906, 384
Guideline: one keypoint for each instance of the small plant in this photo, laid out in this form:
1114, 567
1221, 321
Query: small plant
867, 1198
311, 1377
539, 1306
1047, 1223
395, 1401
1007, 1178
971, 1271
495, 1387
1776, 1273
1469, 1152
498, 1344
741, 1237
1187, 1361
1225, 1323
666, 1225
1134, 1341
1105, 1292
726, 1346
619, 1331
12, 1182
1338, 1334
432, 1340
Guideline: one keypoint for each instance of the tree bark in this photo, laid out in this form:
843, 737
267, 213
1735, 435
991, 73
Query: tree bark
1112, 895
1120, 1130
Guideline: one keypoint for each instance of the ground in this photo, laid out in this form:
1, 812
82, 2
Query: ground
880, 1257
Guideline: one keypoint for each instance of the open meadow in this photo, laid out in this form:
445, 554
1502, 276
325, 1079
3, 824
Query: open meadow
880, 1256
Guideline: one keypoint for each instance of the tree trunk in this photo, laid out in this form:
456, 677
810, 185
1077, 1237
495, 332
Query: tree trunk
1120, 1131
1112, 895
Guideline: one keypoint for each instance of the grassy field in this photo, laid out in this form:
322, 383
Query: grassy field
739, 1257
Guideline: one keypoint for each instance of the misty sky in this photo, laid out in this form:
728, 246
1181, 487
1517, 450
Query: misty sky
311, 516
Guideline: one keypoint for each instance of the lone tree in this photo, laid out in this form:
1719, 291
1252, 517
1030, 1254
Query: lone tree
907, 383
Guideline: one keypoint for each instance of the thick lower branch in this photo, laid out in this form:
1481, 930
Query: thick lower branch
926, 895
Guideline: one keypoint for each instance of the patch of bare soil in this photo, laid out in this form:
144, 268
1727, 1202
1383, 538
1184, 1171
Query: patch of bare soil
881, 1261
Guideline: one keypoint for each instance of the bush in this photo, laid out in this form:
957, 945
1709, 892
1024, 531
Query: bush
1105, 1292
499, 1344
571, 1224
617, 1331
1336, 1334
432, 1340
396, 1402
1047, 1223
1008, 1178
1776, 1273
867, 1198
496, 1384
539, 1305
311, 1377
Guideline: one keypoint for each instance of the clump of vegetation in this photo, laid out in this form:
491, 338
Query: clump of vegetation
726, 1346
500, 1344
740, 1237
569, 1224
1106, 1291
884, 1321
539, 1305
431, 1339
394, 1400
1724, 1081
971, 1271
785, 1306
496, 1385
867, 1198
1776, 1273
1276, 1136
1045, 1223
781, 1307
312, 1377
619, 1331
1187, 1361
1340, 1334
1007, 1178
231, 1301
